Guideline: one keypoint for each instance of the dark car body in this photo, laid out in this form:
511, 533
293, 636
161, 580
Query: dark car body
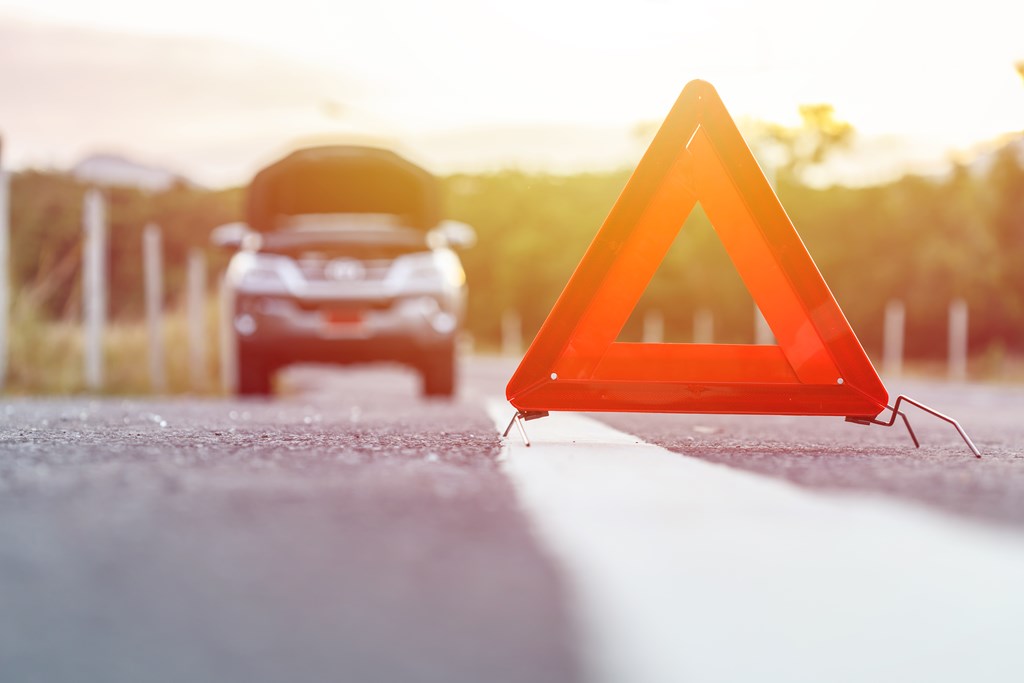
345, 260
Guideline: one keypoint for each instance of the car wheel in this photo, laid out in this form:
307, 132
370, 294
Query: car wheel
438, 372
254, 373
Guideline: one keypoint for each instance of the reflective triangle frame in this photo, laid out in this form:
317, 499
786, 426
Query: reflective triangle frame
818, 366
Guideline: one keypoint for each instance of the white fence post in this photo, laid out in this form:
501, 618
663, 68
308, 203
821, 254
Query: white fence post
892, 338
5, 265
762, 332
703, 327
958, 340
228, 346
654, 327
195, 311
511, 333
94, 285
152, 266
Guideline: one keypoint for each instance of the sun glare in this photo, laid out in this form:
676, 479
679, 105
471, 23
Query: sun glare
943, 79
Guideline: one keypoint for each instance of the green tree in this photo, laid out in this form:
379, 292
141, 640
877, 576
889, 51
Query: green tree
801, 148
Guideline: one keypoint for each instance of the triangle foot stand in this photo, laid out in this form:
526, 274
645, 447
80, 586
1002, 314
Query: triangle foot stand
520, 418
895, 411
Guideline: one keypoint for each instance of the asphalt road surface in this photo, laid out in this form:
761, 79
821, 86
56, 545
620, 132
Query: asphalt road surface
349, 531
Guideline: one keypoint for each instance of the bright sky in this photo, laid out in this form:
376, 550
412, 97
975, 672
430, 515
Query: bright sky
214, 89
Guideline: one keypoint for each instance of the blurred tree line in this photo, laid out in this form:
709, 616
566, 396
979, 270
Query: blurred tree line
925, 241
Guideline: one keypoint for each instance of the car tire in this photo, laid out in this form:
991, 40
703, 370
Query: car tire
437, 369
254, 373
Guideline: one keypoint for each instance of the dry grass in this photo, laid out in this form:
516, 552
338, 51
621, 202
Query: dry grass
47, 357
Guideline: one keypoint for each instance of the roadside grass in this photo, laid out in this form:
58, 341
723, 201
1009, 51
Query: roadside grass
46, 357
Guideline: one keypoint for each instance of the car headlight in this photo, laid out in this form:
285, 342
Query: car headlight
432, 270
425, 275
257, 274
262, 278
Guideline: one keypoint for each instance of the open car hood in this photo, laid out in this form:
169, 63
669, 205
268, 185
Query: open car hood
343, 179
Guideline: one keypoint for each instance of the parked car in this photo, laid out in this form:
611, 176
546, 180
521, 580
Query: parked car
344, 258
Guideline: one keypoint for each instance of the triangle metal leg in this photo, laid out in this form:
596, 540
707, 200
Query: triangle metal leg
519, 420
895, 411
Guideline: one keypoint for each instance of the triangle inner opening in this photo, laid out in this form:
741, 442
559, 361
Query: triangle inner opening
696, 295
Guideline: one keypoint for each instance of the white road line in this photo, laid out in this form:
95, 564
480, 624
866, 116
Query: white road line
683, 570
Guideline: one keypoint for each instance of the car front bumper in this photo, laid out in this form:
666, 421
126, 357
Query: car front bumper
345, 330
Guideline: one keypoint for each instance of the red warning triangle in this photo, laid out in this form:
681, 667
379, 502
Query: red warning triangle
818, 366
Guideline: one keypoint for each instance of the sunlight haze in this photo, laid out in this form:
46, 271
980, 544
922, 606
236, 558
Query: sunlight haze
213, 89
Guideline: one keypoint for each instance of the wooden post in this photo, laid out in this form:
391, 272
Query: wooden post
228, 347
762, 332
511, 333
654, 327
958, 340
5, 266
195, 306
152, 267
94, 285
703, 327
892, 333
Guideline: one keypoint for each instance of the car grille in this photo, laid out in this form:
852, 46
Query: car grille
344, 270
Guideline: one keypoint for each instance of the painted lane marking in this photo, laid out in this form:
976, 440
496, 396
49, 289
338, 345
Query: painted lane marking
683, 570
